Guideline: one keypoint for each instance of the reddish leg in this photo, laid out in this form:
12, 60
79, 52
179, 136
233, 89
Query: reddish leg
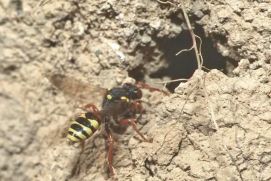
110, 143
92, 108
132, 122
146, 86
137, 108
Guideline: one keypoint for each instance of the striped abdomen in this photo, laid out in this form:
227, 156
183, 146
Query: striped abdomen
83, 127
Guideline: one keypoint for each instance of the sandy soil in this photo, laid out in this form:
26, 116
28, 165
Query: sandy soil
215, 126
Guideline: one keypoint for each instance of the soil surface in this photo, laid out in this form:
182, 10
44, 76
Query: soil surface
214, 126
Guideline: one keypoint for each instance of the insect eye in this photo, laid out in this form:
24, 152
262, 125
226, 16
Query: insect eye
135, 92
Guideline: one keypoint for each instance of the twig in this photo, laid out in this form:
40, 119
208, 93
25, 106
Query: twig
165, 82
200, 55
166, 2
187, 97
211, 109
233, 160
184, 50
205, 68
192, 36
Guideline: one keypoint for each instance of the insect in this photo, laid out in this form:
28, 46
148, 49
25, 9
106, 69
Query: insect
120, 104
84, 126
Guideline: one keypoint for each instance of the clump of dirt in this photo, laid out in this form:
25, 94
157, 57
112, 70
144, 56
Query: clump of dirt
215, 126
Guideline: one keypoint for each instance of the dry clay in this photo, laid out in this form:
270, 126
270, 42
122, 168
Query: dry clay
213, 127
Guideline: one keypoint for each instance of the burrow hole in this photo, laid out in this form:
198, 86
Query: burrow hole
184, 65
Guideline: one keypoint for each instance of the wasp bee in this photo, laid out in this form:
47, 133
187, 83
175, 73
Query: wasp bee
121, 104
84, 126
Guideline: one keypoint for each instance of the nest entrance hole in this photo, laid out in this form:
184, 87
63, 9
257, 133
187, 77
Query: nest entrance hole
184, 65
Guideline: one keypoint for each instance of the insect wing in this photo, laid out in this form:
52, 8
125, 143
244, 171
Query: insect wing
78, 90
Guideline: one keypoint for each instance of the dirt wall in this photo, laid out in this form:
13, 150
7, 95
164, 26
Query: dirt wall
215, 126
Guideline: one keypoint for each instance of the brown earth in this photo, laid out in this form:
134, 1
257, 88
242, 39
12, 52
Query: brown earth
215, 126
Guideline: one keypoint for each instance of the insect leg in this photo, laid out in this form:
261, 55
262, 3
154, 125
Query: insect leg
150, 88
132, 122
136, 108
90, 108
110, 142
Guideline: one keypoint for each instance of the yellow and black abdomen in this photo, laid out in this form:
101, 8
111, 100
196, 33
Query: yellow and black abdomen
83, 127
